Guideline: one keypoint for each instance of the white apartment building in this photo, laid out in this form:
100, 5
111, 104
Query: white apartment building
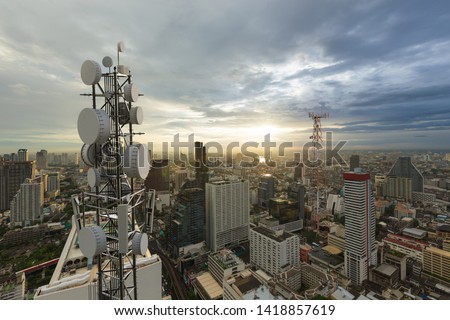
361, 249
227, 213
272, 250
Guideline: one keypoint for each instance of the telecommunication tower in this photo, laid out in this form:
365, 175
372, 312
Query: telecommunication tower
117, 237
317, 180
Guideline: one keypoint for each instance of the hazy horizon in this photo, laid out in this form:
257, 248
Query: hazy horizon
234, 70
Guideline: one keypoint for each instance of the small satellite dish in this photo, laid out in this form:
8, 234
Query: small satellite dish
120, 46
131, 93
88, 154
91, 72
93, 177
136, 163
139, 243
136, 115
94, 126
107, 62
92, 241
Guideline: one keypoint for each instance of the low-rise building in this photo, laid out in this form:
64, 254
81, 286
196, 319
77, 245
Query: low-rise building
224, 264
385, 275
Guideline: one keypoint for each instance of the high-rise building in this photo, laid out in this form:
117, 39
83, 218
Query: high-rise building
64, 159
354, 162
296, 191
158, 177
404, 168
227, 213
180, 178
284, 210
266, 190
27, 204
187, 220
272, 250
299, 171
41, 160
76, 159
201, 168
12, 175
361, 249
22, 155
53, 182
399, 187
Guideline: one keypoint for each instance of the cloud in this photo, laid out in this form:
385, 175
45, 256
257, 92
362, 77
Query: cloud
231, 69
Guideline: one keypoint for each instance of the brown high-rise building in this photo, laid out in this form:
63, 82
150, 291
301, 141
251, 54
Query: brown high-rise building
12, 175
158, 177
354, 162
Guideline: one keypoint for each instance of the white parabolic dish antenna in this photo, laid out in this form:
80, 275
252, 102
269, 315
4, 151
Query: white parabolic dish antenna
92, 241
93, 126
131, 93
136, 115
107, 62
91, 72
136, 163
93, 177
88, 154
139, 243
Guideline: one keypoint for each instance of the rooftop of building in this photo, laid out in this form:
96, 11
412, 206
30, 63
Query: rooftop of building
443, 228
332, 249
386, 269
209, 286
356, 176
225, 182
342, 294
226, 259
326, 257
72, 270
278, 236
438, 251
395, 253
414, 232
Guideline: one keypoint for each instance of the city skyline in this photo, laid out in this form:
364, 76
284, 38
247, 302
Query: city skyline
234, 71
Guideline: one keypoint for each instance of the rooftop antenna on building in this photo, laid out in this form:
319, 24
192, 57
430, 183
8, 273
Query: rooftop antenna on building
115, 160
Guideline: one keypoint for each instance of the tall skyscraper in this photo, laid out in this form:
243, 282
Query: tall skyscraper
187, 220
227, 213
53, 182
354, 162
22, 155
64, 159
27, 204
296, 191
271, 250
266, 190
299, 172
12, 175
41, 160
201, 169
180, 178
404, 168
361, 249
158, 177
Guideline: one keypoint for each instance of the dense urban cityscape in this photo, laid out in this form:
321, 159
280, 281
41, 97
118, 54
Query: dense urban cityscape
289, 151
380, 231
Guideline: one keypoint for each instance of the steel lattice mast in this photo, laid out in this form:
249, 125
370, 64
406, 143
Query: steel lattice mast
317, 139
122, 214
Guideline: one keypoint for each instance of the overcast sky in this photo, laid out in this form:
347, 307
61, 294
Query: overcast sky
233, 70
